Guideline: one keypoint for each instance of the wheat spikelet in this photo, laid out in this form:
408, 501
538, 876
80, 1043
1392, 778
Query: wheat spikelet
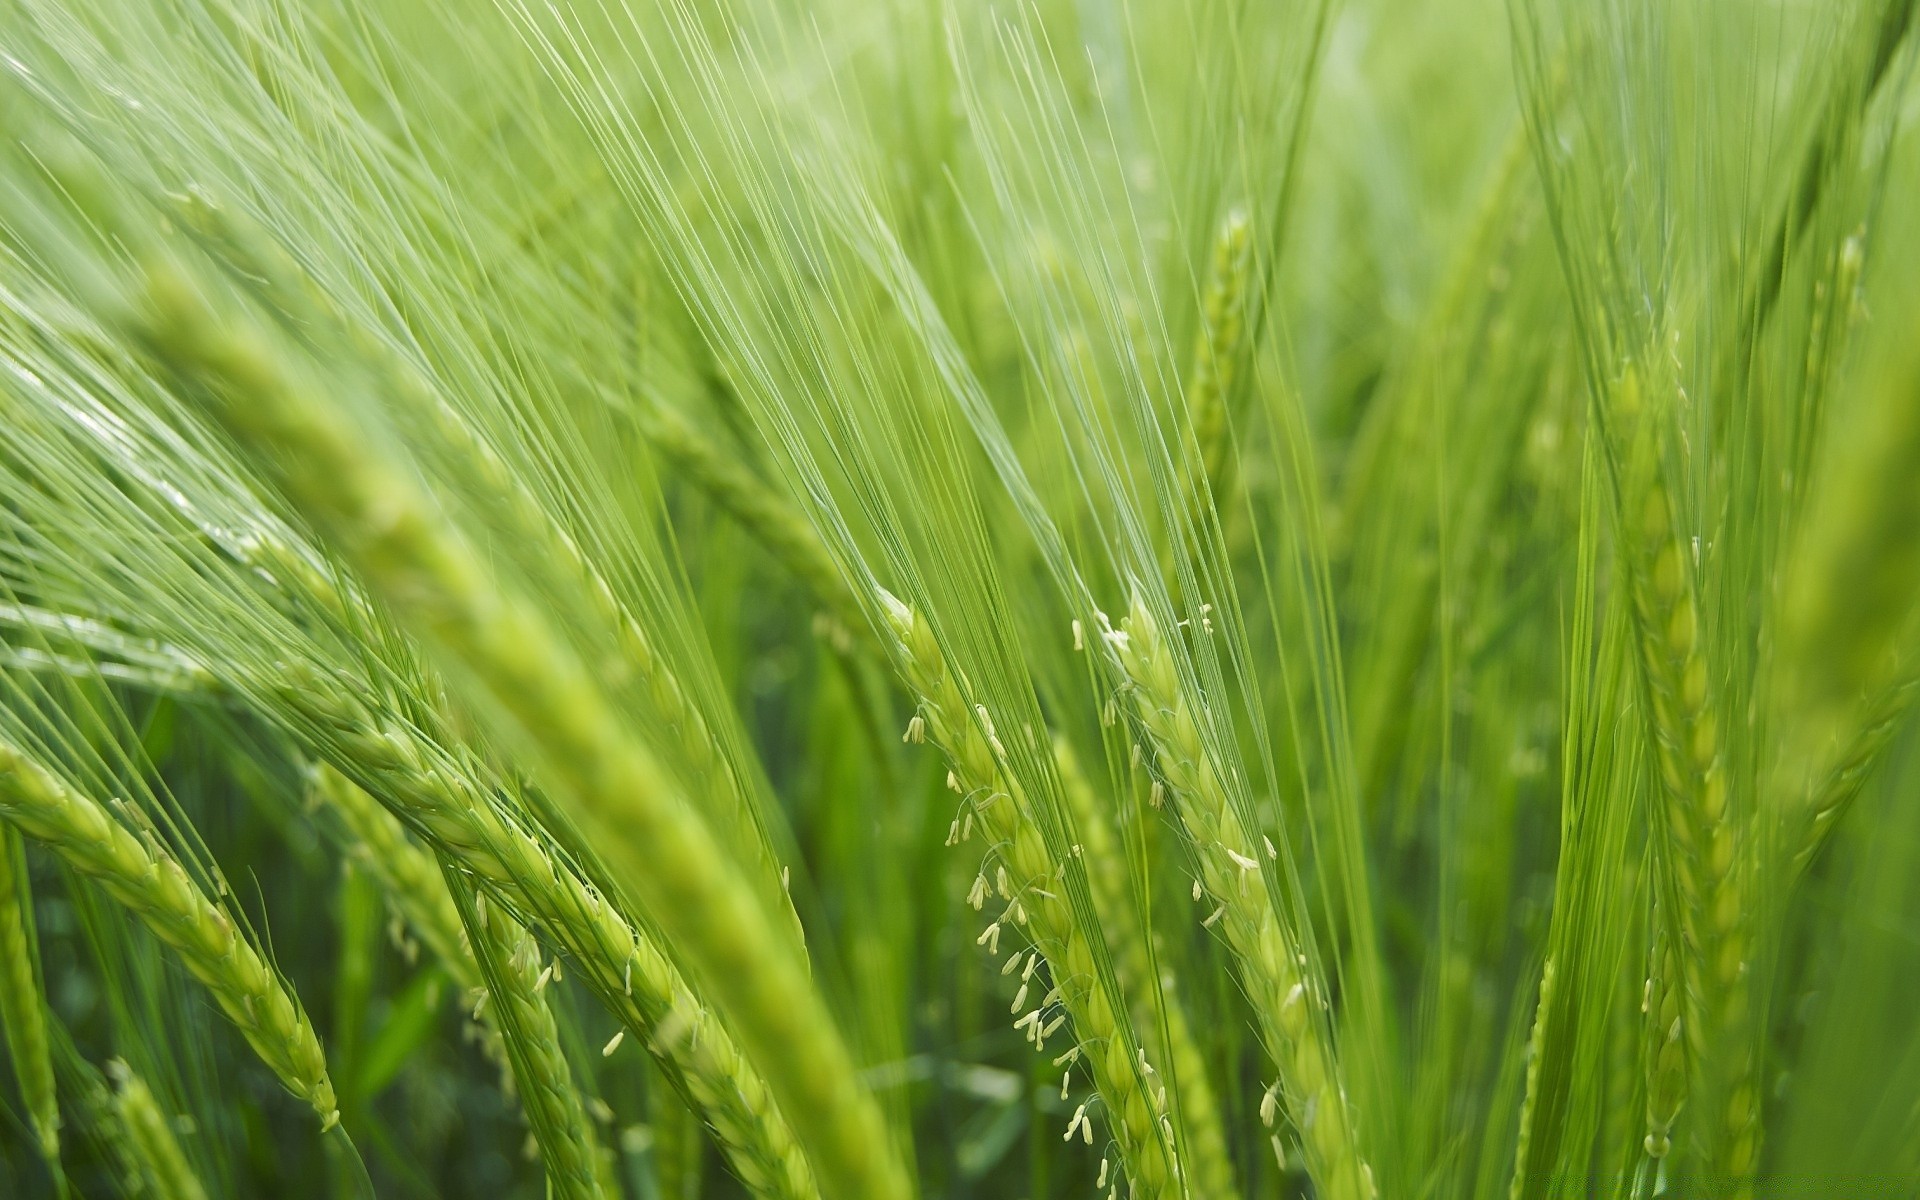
1156, 1010
431, 577
1273, 969
157, 890
1666, 1043
1106, 1043
23, 1014
150, 1138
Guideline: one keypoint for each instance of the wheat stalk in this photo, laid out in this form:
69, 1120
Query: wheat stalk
157, 890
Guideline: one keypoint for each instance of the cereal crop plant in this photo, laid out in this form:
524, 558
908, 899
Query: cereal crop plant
874, 599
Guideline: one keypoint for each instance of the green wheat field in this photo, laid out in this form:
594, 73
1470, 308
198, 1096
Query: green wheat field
959, 599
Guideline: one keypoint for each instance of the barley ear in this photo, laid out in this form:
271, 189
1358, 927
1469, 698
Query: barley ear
1217, 347
1157, 1009
1107, 1043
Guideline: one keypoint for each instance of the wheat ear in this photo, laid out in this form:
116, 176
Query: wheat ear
1155, 1004
510, 963
430, 577
150, 1138
1274, 972
1706, 852
156, 889
1217, 346
408, 874
620, 964
1032, 886
282, 281
23, 1013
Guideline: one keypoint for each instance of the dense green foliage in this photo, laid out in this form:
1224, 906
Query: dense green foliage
891, 598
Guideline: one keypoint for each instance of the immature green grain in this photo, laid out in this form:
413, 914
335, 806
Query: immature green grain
150, 1138
23, 1013
1156, 1006
156, 889
1036, 903
429, 575
510, 963
1666, 1043
1273, 969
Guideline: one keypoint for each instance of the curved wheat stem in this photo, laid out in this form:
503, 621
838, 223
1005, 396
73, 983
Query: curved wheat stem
1031, 878
1156, 1008
23, 1013
1273, 970
156, 889
150, 1138
510, 963
432, 578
